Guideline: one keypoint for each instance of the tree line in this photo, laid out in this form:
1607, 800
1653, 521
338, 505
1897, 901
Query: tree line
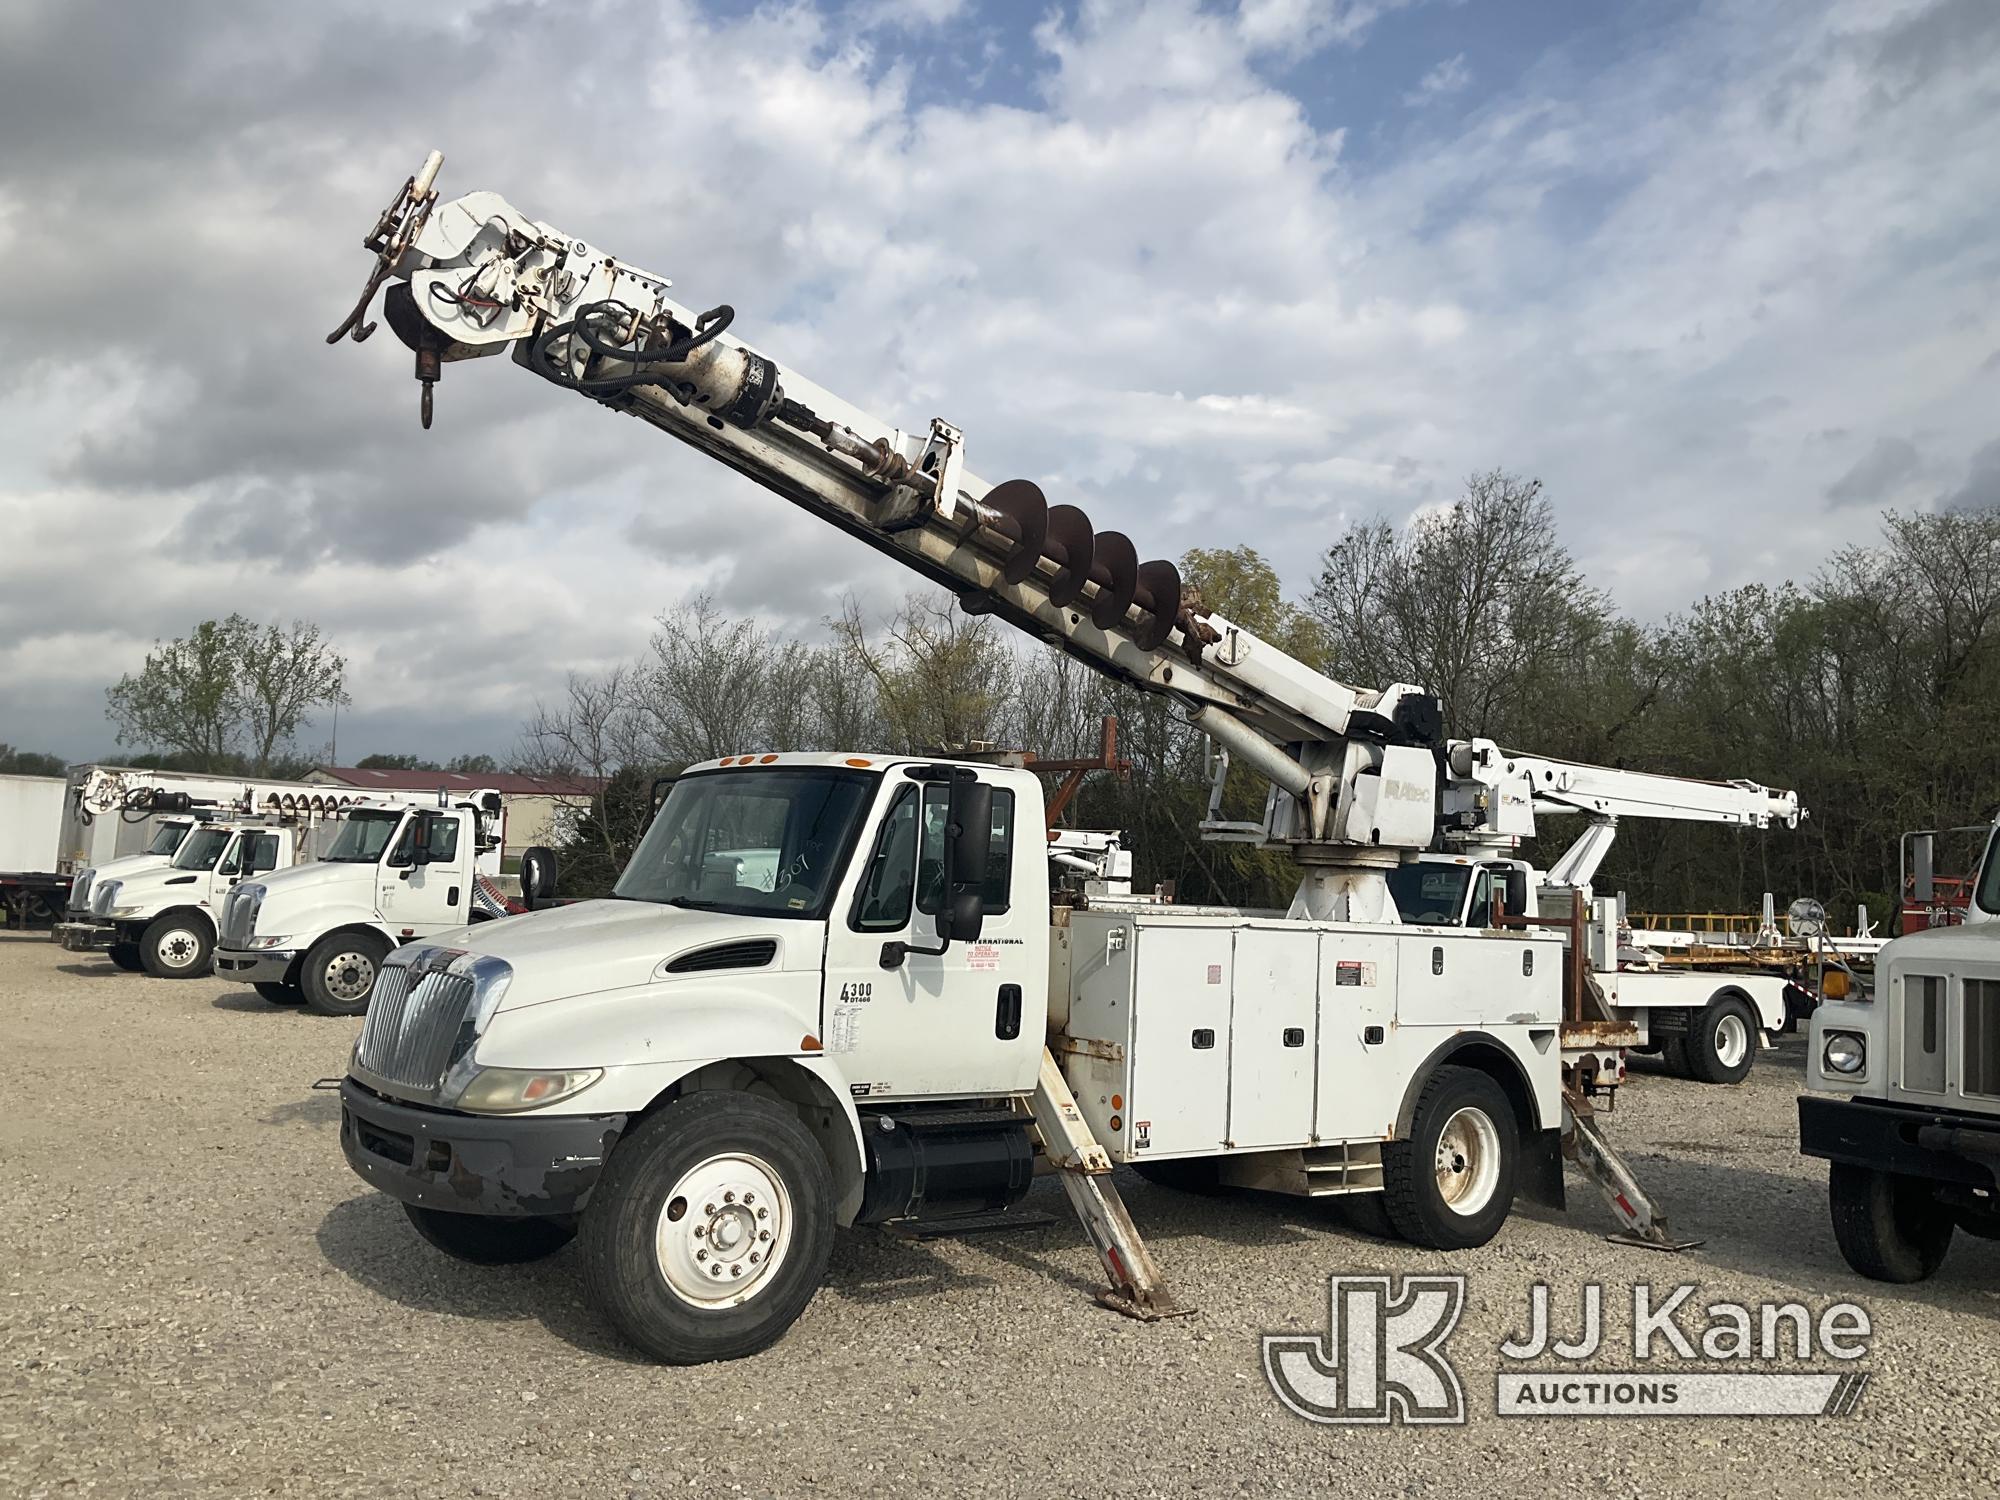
1872, 688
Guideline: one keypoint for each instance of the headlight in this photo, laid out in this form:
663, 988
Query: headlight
255, 943
1846, 1052
502, 1091
124, 911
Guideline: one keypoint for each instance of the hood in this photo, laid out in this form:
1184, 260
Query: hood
309, 882
1978, 942
595, 946
127, 866
143, 887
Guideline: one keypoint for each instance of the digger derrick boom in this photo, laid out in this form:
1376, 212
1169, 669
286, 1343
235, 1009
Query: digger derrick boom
1354, 768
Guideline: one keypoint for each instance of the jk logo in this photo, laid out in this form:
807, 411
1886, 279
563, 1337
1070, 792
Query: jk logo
1382, 1359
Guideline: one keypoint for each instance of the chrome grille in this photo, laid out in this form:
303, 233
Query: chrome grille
239, 915
411, 1029
1982, 1037
79, 890
103, 896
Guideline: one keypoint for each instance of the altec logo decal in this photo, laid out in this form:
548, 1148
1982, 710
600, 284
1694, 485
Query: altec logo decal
1383, 1360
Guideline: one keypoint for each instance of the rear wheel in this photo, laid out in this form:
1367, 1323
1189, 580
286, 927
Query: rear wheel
1888, 1227
1450, 1184
482, 1240
709, 1231
339, 972
126, 957
1722, 1041
176, 946
280, 994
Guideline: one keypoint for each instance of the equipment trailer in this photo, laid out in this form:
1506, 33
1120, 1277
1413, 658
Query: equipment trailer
832, 989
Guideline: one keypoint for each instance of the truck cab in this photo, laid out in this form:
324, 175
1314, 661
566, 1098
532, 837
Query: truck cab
1904, 1092
317, 934
163, 919
159, 850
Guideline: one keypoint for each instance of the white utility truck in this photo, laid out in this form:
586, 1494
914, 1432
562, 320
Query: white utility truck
316, 934
833, 989
1905, 1101
162, 918
1705, 1026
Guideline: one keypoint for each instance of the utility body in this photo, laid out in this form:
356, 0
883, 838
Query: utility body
834, 989
395, 870
1904, 1087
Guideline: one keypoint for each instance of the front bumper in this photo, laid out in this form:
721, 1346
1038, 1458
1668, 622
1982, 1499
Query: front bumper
1910, 1141
86, 937
266, 966
507, 1166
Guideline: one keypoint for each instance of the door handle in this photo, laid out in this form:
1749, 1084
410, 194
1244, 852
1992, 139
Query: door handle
451, 896
1007, 1014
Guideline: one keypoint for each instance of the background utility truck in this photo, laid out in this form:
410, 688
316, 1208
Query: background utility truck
1906, 1089
1705, 1025
162, 918
832, 989
317, 933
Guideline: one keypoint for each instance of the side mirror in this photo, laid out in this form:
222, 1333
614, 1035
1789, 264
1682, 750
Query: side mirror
1514, 892
538, 877
968, 846
1923, 868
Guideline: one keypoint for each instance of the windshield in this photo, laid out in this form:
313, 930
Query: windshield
167, 838
1430, 895
203, 848
363, 839
769, 843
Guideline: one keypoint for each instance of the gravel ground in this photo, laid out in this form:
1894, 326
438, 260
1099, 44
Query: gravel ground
201, 1299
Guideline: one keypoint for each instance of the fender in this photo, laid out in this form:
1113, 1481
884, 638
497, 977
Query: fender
197, 915
1523, 1091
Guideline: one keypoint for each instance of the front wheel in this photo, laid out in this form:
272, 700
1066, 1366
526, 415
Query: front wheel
481, 1240
710, 1229
125, 956
176, 946
1888, 1226
280, 994
1450, 1184
339, 972
1722, 1041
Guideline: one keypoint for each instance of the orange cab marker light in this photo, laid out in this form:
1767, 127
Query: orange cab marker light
809, 1044
1117, 1101
726, 760
766, 760
857, 761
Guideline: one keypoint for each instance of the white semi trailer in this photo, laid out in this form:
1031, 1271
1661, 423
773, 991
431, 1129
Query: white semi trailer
832, 989
1904, 1101
31, 811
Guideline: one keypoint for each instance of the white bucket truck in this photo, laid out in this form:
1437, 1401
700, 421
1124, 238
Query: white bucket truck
1905, 1090
396, 870
833, 990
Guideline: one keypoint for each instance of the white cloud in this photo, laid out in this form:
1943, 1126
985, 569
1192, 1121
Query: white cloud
1451, 76
1658, 283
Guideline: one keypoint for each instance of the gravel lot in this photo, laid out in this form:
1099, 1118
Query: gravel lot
201, 1299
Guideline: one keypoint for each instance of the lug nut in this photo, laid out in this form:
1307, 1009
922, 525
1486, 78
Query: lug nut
701, 1255
763, 1213
765, 1235
730, 1196
700, 1230
709, 1209
753, 1257
749, 1197
735, 1270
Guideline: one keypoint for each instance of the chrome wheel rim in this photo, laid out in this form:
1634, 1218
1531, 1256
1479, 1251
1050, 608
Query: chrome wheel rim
1468, 1161
179, 948
724, 1230
1732, 1040
349, 976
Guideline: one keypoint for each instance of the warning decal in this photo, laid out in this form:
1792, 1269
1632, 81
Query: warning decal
982, 956
1348, 971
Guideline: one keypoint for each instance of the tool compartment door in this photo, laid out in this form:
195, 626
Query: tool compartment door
1272, 1036
1180, 1042
1361, 1048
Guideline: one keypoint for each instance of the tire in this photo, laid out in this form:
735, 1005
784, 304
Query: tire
126, 957
1980, 1223
280, 994
176, 946
483, 1240
1888, 1227
1450, 1184
1674, 1057
1721, 1043
648, 1228
1367, 1213
339, 972
1193, 1174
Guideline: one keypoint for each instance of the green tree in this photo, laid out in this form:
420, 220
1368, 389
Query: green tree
387, 762
472, 765
229, 696
30, 762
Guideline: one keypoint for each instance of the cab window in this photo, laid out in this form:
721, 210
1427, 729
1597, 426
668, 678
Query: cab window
890, 884
997, 893
441, 839
258, 853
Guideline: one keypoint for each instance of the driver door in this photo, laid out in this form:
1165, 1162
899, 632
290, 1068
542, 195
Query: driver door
419, 898
961, 1022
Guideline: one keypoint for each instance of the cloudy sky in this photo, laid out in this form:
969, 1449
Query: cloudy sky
1722, 275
